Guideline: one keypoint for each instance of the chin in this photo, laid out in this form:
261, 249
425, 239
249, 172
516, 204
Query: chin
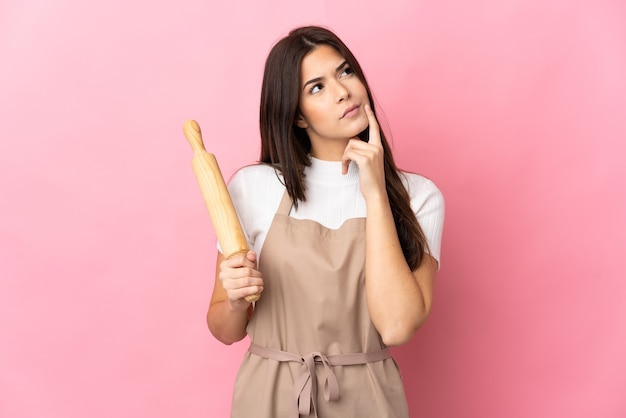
365, 134
361, 131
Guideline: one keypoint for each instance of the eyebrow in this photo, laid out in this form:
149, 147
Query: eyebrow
316, 79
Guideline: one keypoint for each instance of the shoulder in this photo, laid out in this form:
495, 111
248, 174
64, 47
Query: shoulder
255, 186
254, 171
422, 190
254, 177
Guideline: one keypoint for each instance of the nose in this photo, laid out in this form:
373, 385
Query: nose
341, 92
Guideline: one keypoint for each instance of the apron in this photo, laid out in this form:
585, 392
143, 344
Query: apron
314, 351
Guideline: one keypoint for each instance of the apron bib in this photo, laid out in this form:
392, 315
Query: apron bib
314, 350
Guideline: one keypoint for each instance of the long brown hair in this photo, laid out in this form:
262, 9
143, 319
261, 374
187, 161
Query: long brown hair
286, 147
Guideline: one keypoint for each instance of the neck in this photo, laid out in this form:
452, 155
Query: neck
328, 150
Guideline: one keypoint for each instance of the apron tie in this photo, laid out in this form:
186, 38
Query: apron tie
305, 384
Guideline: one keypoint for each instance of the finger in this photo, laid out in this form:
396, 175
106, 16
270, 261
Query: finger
238, 273
234, 286
238, 295
243, 283
345, 163
374, 128
345, 159
245, 260
354, 152
357, 148
355, 155
251, 256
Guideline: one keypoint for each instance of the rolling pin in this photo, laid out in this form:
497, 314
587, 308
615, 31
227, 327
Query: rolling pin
218, 202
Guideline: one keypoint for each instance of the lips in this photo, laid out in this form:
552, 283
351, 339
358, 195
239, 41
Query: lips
351, 111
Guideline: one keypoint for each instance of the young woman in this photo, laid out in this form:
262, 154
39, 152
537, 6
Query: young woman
345, 247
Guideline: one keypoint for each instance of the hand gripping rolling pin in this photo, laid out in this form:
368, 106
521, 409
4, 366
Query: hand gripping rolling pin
218, 202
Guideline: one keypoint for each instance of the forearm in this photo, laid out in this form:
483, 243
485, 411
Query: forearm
396, 302
229, 311
226, 324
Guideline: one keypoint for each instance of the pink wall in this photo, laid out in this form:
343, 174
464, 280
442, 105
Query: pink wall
515, 109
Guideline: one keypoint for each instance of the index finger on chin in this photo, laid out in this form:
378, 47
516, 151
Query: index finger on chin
374, 129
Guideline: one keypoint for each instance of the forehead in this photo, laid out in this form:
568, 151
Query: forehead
321, 60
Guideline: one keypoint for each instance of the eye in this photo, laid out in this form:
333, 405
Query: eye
316, 88
347, 71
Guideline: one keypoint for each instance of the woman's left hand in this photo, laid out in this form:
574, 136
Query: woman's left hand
369, 157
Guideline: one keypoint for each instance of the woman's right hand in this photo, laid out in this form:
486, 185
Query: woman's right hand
240, 278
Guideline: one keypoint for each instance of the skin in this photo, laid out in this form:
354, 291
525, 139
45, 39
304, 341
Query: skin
329, 89
399, 300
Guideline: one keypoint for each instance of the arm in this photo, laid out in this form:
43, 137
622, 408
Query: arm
229, 312
399, 300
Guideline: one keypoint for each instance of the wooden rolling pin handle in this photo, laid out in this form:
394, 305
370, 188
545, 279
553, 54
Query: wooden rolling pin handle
193, 134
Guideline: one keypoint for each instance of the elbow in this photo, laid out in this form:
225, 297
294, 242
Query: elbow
402, 332
396, 339
223, 334
226, 341
398, 335
225, 337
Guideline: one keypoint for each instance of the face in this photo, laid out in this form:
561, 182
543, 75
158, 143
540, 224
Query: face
331, 102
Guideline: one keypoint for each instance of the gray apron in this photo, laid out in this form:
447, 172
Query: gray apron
314, 351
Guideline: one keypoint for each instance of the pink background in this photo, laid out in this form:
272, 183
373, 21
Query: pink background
515, 109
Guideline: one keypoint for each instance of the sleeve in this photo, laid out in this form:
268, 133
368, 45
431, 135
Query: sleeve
429, 208
255, 191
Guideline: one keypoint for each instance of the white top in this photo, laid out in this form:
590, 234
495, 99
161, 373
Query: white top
331, 199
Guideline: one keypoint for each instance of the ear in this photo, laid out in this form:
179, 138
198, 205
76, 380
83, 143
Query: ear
301, 122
